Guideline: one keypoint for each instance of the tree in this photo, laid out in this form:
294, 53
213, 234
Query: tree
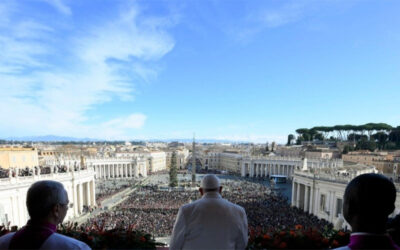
173, 171
347, 148
380, 134
290, 139
319, 137
366, 145
381, 139
273, 146
304, 134
324, 130
394, 136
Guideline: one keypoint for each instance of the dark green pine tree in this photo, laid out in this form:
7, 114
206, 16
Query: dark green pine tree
173, 171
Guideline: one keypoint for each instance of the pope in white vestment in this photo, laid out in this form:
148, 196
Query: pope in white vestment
210, 222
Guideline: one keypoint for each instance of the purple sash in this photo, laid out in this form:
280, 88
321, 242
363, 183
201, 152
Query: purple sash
32, 236
371, 241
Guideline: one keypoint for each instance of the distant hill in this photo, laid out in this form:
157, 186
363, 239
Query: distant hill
55, 138
49, 138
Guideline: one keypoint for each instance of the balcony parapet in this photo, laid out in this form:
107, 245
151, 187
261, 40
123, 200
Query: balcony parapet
74, 174
324, 176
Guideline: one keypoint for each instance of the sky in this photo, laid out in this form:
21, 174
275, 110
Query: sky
231, 70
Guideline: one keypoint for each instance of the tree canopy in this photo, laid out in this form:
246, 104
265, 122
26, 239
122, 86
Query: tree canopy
367, 136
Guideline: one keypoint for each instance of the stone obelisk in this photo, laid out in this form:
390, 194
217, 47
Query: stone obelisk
194, 163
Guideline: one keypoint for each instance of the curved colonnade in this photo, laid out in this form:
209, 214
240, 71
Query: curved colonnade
106, 168
263, 167
79, 184
267, 166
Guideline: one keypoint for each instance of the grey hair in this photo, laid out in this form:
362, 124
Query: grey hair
43, 196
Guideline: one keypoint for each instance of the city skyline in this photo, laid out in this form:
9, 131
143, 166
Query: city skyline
240, 71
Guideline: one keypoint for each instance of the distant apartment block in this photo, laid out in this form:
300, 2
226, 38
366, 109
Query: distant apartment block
383, 161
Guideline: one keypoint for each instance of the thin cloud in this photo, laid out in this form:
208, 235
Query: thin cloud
47, 96
60, 6
284, 14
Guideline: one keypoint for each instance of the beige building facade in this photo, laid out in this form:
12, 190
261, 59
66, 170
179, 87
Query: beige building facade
384, 162
17, 157
230, 162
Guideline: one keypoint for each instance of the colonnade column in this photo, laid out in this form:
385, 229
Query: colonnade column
294, 191
75, 198
136, 170
92, 193
80, 198
87, 194
256, 167
306, 198
298, 195
311, 201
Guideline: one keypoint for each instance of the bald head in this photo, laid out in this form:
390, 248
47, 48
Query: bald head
210, 183
368, 200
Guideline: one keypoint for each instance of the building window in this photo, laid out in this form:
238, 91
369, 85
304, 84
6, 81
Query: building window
339, 206
322, 202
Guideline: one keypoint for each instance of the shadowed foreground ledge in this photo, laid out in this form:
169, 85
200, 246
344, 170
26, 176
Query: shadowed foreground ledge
296, 238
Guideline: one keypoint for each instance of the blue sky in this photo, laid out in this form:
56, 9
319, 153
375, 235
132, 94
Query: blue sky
238, 70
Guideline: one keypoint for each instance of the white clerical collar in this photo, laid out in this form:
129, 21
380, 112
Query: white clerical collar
369, 234
212, 195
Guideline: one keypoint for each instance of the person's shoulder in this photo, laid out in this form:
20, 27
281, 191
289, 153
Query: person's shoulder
57, 240
235, 206
343, 248
5, 240
6, 236
190, 205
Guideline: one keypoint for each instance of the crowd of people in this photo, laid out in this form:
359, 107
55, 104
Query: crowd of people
148, 209
107, 188
269, 211
153, 210
103, 191
21, 172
